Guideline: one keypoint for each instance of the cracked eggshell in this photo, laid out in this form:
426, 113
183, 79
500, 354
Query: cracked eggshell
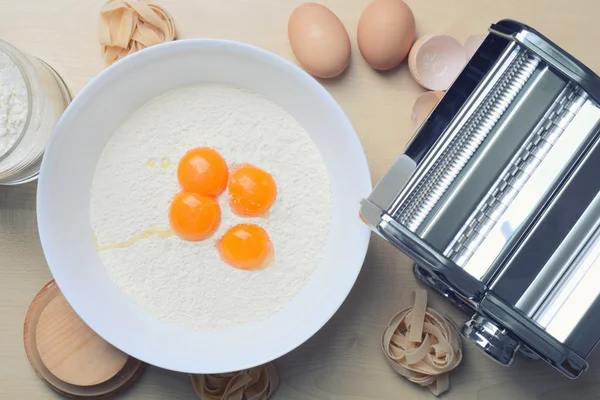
423, 106
436, 60
472, 44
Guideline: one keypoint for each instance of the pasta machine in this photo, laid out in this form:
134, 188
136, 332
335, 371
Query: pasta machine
497, 200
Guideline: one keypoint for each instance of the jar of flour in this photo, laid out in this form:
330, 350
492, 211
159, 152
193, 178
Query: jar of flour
32, 99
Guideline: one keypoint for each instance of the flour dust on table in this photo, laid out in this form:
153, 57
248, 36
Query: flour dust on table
186, 282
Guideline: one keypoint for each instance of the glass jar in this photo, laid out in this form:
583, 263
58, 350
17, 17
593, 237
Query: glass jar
32, 99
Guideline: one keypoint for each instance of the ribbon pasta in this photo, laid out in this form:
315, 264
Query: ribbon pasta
257, 383
127, 26
422, 345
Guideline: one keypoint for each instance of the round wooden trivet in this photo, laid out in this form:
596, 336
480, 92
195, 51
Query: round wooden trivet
71, 350
57, 340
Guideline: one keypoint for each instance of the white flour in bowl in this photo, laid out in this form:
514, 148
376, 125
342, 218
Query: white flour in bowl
135, 179
13, 103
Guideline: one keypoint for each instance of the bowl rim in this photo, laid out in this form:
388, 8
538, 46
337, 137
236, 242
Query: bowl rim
147, 54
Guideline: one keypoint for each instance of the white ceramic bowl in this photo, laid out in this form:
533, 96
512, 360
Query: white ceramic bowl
63, 204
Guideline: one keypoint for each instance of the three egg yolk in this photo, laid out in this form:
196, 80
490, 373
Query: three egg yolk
251, 191
246, 246
203, 171
195, 213
193, 216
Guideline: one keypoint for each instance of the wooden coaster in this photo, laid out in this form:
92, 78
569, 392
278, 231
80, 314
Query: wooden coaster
71, 350
68, 356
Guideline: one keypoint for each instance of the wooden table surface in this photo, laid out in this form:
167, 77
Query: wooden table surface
343, 360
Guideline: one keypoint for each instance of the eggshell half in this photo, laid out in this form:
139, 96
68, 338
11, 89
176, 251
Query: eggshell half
319, 40
423, 106
472, 44
436, 60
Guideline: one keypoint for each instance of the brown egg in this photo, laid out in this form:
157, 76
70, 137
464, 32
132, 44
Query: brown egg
386, 31
319, 40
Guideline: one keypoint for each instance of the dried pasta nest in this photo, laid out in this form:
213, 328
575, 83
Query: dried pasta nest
127, 26
422, 345
257, 383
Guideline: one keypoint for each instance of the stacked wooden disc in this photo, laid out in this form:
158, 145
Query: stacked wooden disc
68, 356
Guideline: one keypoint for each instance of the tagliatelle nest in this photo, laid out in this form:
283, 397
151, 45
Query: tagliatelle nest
257, 383
128, 26
422, 345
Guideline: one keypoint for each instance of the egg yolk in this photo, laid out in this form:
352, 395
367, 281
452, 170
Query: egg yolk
203, 171
246, 246
194, 217
251, 191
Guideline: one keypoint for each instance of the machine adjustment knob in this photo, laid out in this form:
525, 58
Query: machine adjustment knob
493, 340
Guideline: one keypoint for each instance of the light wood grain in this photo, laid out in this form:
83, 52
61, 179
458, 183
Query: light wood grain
343, 360
71, 350
118, 382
